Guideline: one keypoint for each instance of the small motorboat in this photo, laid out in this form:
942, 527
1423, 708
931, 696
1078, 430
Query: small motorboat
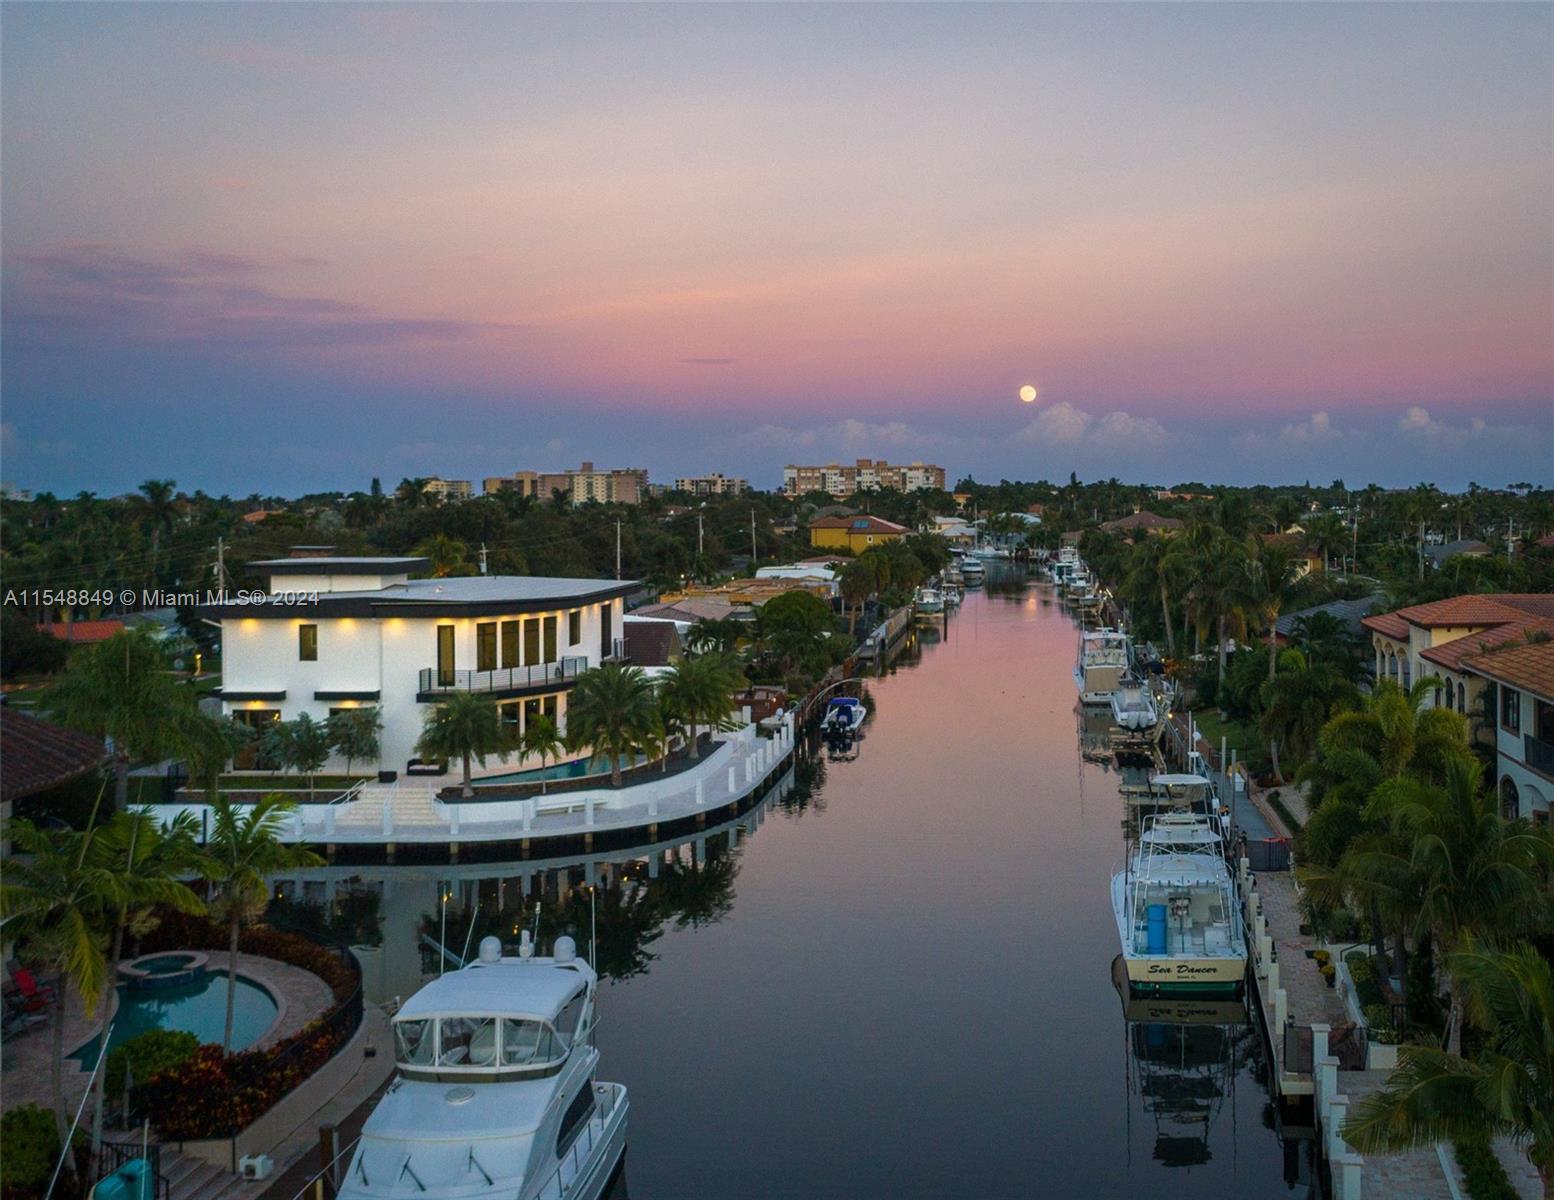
840, 726
929, 601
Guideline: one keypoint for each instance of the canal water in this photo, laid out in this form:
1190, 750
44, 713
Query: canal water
893, 979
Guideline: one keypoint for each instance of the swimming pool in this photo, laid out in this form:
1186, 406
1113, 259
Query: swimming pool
575, 769
199, 1007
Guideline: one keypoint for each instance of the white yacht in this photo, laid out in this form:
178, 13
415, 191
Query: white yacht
1133, 706
495, 1094
929, 601
1177, 913
972, 570
1103, 664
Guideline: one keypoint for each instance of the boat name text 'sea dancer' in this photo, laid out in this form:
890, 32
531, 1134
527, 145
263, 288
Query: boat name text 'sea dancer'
1177, 911
495, 1094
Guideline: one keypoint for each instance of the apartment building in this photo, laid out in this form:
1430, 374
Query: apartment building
716, 484
447, 489
618, 486
864, 475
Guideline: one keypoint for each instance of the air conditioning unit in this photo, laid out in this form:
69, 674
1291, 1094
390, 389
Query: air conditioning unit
255, 1166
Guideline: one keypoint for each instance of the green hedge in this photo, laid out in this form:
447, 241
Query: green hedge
148, 1054
30, 1145
1482, 1173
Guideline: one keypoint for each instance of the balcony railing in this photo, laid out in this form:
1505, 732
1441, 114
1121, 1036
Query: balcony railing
1538, 754
504, 679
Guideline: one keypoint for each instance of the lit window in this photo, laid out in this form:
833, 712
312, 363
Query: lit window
307, 643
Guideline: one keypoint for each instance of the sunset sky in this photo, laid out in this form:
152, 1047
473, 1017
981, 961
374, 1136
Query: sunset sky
283, 248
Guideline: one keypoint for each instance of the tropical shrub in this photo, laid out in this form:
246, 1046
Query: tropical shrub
147, 1055
1482, 1173
31, 1145
1378, 1019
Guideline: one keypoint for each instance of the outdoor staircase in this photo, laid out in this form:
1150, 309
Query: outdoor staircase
190, 1178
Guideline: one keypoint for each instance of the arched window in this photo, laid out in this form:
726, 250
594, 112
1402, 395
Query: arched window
1462, 702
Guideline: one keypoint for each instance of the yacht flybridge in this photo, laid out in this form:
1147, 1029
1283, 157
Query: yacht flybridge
1177, 912
1104, 664
495, 1094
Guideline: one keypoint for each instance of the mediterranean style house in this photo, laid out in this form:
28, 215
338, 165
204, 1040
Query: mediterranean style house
332, 633
1491, 658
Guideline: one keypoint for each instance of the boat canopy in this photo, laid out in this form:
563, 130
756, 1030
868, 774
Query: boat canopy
1178, 781
536, 989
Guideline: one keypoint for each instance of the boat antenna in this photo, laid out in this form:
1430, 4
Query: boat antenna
536, 934
475, 912
593, 929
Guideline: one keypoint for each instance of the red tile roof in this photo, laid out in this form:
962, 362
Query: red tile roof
1495, 608
1450, 654
1388, 625
36, 755
1141, 520
859, 524
84, 632
1529, 666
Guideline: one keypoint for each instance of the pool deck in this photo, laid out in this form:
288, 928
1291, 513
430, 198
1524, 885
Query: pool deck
25, 1060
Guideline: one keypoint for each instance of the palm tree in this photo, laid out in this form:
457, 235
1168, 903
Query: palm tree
719, 634
121, 689
52, 902
143, 862
1297, 703
857, 584
465, 726
542, 739
611, 710
1469, 872
447, 555
245, 848
157, 502
699, 689
1506, 1090
1272, 580
209, 744
1394, 728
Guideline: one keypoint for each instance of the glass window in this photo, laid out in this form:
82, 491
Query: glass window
582, 1104
548, 703
467, 1042
510, 710
1511, 709
485, 646
526, 1043
550, 639
445, 668
531, 641
566, 1020
413, 1042
307, 643
509, 644
1462, 699
574, 627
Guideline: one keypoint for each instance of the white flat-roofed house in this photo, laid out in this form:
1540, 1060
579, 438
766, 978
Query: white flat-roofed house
336, 633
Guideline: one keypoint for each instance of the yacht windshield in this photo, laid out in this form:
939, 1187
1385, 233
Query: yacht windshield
529, 1043
413, 1042
467, 1042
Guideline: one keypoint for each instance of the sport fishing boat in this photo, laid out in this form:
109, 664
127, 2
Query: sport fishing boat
841, 725
495, 1094
972, 570
1133, 706
929, 601
1177, 913
1103, 665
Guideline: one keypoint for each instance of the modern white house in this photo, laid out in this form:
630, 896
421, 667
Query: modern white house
333, 633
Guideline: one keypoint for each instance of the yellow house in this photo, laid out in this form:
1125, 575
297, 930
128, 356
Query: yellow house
854, 533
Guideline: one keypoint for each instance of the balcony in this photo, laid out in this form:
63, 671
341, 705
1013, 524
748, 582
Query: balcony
1538, 754
503, 681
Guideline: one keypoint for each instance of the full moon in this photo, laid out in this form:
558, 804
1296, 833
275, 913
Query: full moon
1028, 393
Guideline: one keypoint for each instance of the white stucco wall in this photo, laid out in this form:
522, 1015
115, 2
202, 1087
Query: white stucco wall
386, 655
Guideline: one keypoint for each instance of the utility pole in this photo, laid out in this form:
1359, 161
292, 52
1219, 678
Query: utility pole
699, 516
221, 564
1510, 537
482, 558
617, 547
754, 557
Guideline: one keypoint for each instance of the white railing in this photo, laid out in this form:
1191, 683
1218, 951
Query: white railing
570, 1169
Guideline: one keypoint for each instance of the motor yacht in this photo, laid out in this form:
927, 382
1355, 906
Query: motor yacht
1177, 913
495, 1094
1103, 666
972, 570
929, 601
